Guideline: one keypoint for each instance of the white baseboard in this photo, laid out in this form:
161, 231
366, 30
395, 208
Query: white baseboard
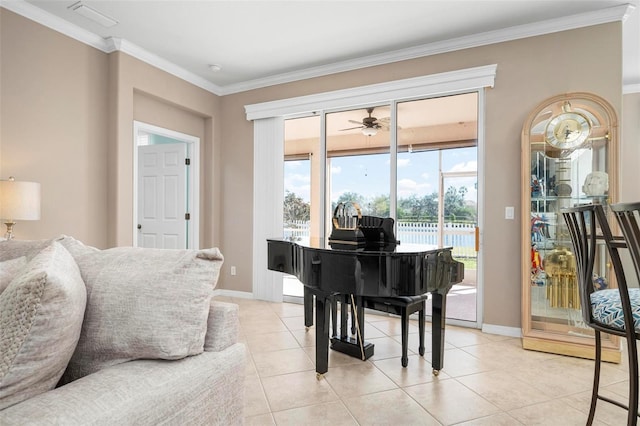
486, 328
502, 330
233, 293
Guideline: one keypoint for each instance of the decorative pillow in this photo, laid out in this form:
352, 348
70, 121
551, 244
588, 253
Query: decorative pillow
75, 247
9, 269
11, 249
41, 315
143, 303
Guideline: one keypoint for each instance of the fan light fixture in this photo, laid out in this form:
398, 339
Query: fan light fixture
369, 131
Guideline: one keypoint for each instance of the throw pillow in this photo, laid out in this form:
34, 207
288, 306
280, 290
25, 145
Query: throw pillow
143, 303
41, 315
9, 269
75, 247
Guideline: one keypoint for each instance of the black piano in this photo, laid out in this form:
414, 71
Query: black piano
388, 270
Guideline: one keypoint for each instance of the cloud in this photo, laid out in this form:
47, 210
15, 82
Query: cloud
297, 177
425, 176
299, 184
336, 170
403, 162
469, 166
408, 187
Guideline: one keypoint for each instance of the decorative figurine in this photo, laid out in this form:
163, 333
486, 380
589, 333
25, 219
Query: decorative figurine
596, 184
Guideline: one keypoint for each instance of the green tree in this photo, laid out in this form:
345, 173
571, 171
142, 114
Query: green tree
456, 208
348, 197
417, 209
295, 208
377, 206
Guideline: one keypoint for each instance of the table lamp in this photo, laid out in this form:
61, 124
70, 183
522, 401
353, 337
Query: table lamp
18, 201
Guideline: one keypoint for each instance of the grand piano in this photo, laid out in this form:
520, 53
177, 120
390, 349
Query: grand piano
374, 270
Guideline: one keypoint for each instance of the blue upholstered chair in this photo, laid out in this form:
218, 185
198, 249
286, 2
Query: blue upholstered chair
615, 310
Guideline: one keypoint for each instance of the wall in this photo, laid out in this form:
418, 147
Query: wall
142, 92
53, 112
529, 71
67, 122
630, 148
65, 107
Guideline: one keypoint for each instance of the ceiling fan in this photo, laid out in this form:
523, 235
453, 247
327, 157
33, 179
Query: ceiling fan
370, 125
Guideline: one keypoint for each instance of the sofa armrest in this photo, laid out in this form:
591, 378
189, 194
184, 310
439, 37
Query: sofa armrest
222, 326
203, 389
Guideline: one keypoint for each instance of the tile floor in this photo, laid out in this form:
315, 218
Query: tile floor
487, 379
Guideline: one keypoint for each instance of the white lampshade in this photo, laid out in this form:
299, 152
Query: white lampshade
19, 200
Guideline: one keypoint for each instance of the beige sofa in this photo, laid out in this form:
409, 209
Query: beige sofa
123, 336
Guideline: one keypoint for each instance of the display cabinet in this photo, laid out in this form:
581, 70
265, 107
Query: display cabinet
569, 157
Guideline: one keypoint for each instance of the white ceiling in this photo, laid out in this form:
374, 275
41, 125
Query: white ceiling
258, 43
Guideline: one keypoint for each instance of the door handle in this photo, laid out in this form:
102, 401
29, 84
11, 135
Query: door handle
477, 235
139, 226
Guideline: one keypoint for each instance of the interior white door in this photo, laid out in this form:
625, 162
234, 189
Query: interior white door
162, 202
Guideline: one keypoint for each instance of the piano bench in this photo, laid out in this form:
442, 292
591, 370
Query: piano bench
403, 306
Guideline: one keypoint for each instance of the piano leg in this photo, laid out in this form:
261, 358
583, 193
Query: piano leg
405, 337
421, 320
438, 320
344, 305
308, 308
322, 335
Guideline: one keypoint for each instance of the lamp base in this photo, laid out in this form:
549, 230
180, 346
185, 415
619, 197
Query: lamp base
9, 234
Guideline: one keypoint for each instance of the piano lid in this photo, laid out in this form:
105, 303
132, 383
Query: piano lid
395, 248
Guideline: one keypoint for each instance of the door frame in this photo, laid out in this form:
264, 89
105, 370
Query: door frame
268, 137
193, 178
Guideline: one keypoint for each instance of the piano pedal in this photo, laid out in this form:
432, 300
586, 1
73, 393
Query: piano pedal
319, 376
436, 372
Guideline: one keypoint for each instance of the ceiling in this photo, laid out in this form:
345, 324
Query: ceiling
259, 43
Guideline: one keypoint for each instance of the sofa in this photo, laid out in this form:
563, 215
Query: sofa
125, 336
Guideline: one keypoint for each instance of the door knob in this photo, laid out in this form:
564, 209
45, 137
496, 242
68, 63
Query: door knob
139, 226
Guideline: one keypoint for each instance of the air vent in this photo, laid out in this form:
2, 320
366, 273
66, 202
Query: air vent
93, 14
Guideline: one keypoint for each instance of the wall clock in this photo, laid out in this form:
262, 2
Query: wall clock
568, 130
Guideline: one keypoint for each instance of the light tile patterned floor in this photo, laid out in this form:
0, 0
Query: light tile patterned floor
487, 379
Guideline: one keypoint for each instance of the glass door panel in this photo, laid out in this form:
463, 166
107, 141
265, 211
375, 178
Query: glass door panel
301, 192
459, 221
358, 157
437, 185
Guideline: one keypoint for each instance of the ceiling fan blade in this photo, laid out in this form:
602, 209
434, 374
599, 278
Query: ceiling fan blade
355, 122
384, 119
351, 128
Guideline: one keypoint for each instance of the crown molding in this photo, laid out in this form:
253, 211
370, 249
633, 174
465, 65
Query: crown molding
612, 14
144, 55
617, 13
442, 83
49, 20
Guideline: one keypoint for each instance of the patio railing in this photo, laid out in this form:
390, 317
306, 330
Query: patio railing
460, 236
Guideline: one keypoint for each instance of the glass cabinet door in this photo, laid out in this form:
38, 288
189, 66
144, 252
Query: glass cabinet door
569, 158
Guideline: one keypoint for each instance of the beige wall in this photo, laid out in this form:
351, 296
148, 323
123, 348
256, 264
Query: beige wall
66, 107
53, 111
529, 71
145, 93
630, 148
67, 122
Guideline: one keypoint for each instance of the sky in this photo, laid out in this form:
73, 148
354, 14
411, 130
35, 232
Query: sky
368, 175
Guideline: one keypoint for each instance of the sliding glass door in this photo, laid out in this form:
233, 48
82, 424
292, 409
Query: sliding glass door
429, 185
